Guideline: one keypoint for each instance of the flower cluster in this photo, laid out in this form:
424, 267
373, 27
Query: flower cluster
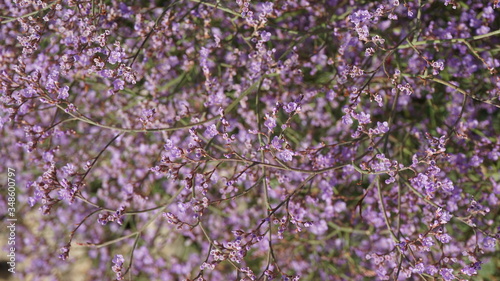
253, 140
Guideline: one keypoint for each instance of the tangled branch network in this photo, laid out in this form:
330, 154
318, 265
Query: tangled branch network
248, 140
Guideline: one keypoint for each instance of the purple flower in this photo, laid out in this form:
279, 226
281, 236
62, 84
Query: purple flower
64, 253
431, 269
382, 273
472, 269
118, 260
266, 36
447, 274
444, 216
63, 93
427, 242
285, 155
489, 242
447, 185
438, 66
319, 227
424, 183
483, 30
267, 7
340, 206
346, 119
363, 118
147, 115
69, 169
369, 52
117, 267
444, 238
211, 131
419, 268
168, 145
475, 161
31, 201
290, 107
277, 142
118, 85
270, 122
359, 17
115, 57
176, 152
65, 194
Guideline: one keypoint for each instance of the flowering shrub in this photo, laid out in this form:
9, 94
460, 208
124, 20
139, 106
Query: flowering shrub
245, 140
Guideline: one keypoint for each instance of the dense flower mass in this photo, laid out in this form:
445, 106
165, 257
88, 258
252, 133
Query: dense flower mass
247, 140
